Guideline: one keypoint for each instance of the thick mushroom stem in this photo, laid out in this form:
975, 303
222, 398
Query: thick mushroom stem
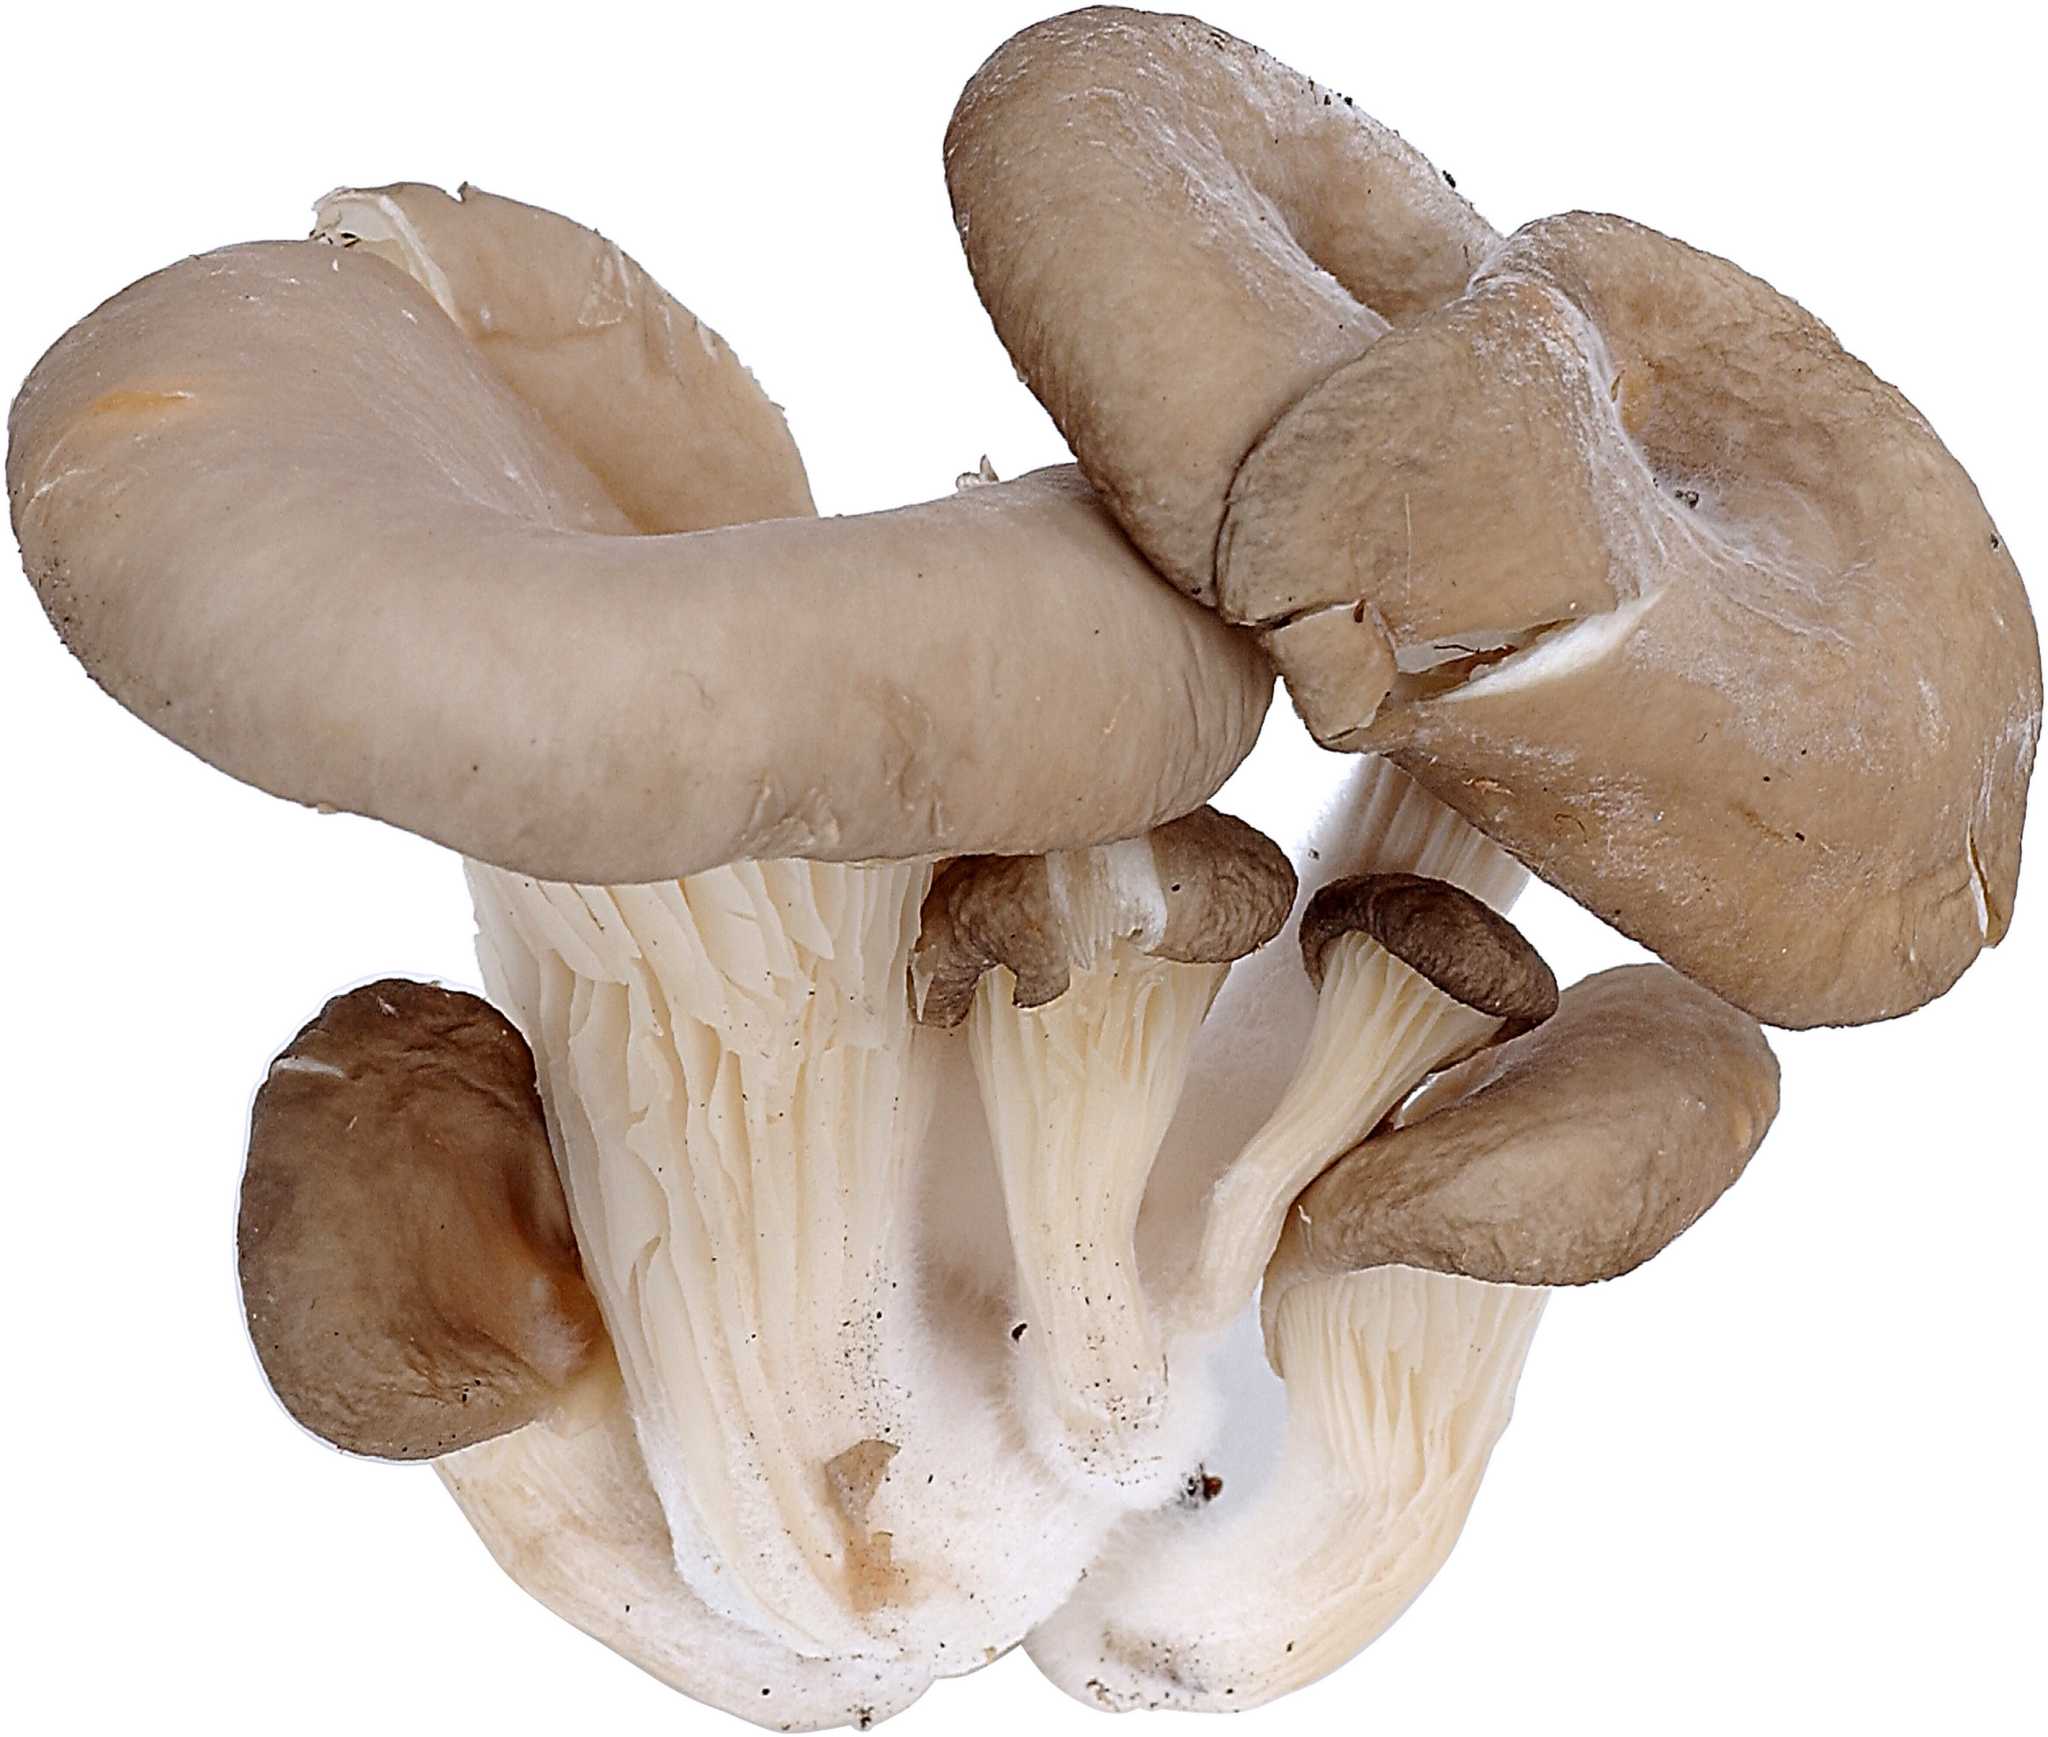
1413, 975
1399, 1385
566, 1508
1085, 977
728, 1067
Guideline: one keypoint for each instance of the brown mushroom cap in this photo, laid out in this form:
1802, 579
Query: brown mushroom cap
407, 1262
1778, 689
1570, 1155
371, 557
1458, 943
1108, 164
1226, 890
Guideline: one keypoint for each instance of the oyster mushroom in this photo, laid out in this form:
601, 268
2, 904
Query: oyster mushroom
413, 548
1564, 1159
1108, 163
1695, 582
385, 576
1605, 541
1412, 974
1086, 976
1569, 1154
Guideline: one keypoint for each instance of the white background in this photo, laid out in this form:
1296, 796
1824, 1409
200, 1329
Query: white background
1786, 1477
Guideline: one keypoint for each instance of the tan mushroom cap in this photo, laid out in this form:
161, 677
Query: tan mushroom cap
1778, 688
293, 515
1107, 165
407, 1262
1570, 1155
1227, 890
1459, 944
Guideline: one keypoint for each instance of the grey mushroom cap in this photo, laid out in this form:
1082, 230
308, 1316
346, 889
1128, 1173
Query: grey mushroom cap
1226, 889
1570, 1155
385, 554
408, 1267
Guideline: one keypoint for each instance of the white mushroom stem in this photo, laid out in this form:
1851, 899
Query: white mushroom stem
566, 1509
738, 1098
737, 1104
1399, 1383
1079, 1094
1378, 1028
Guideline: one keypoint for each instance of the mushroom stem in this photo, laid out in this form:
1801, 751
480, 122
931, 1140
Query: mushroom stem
1399, 1384
566, 1508
738, 1098
1079, 1094
1379, 1027
1086, 976
728, 1063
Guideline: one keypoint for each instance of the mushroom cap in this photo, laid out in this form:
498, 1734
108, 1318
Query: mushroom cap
1569, 1155
1735, 656
296, 517
1107, 164
407, 1263
1208, 889
1458, 943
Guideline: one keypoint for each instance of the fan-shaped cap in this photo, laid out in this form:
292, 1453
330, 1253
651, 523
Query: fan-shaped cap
1570, 1155
1700, 619
407, 1262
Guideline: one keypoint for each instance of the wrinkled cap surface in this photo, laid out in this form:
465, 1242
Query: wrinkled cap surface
1692, 612
1176, 236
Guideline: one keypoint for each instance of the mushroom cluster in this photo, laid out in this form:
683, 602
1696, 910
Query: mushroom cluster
818, 1267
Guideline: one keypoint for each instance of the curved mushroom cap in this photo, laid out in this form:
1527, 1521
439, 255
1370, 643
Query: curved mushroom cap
407, 1262
1570, 1155
1459, 944
650, 399
294, 516
1108, 164
1202, 890
1725, 644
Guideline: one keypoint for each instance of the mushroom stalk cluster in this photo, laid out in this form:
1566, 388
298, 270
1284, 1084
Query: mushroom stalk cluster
818, 1268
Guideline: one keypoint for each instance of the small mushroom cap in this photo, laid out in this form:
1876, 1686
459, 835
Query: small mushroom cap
1459, 943
379, 559
1698, 617
1206, 889
1107, 164
407, 1262
1570, 1155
